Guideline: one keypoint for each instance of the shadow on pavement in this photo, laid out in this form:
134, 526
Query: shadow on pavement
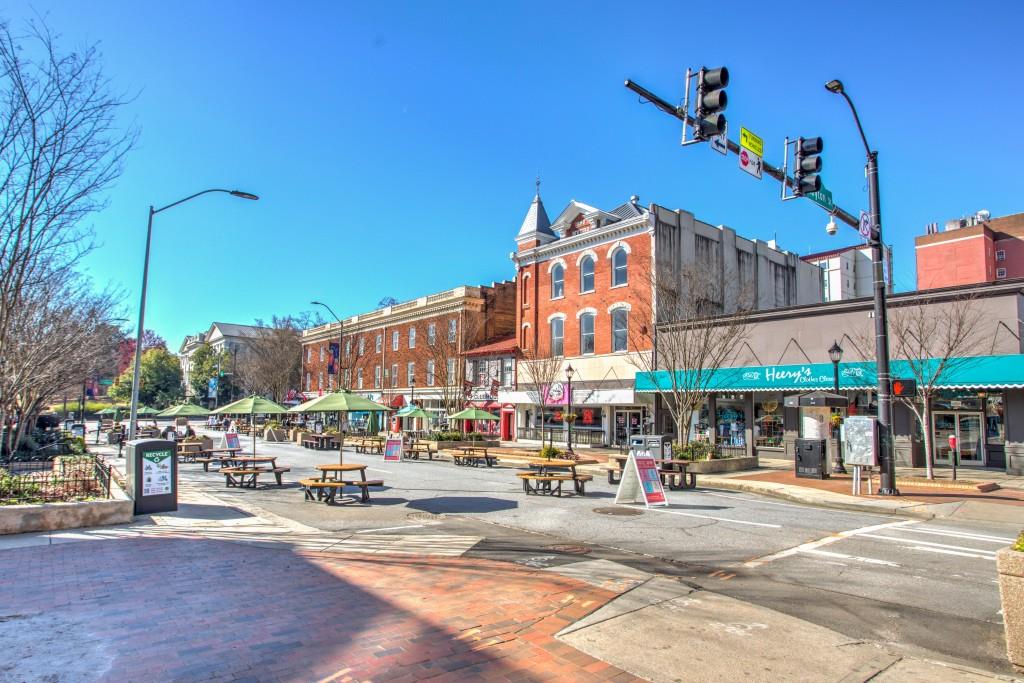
462, 504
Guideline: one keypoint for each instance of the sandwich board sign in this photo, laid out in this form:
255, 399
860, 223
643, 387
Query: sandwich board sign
231, 441
640, 481
393, 448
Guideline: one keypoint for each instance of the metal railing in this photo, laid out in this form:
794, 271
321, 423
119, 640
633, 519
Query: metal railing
586, 437
62, 479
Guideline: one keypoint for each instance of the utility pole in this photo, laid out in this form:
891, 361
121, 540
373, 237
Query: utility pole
704, 128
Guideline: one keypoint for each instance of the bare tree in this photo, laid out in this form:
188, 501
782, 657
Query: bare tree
272, 362
445, 351
61, 334
696, 337
934, 341
538, 371
59, 152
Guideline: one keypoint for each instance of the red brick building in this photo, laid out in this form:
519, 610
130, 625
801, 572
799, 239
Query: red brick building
970, 251
411, 350
585, 290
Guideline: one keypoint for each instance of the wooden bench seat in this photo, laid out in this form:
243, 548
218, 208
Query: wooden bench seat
551, 484
241, 477
328, 490
472, 459
678, 479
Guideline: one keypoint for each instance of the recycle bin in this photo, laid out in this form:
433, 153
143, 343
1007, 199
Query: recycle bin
811, 461
151, 473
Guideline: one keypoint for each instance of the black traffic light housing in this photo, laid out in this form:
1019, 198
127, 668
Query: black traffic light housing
711, 102
904, 388
808, 166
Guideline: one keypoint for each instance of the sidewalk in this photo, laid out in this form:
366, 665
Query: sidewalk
919, 498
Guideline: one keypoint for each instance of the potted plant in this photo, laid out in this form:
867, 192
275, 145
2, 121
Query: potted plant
1010, 565
549, 452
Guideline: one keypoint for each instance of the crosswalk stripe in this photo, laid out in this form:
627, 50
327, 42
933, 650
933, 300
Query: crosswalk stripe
916, 542
961, 534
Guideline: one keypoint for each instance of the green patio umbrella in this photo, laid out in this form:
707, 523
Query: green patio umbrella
251, 406
413, 411
112, 410
145, 411
472, 414
184, 410
372, 426
338, 402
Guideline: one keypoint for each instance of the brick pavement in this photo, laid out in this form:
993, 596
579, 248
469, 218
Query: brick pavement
189, 608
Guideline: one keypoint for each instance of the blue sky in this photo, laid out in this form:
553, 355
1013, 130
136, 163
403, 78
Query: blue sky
395, 145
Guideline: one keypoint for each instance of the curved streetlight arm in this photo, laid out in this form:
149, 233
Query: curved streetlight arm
341, 341
856, 119
235, 193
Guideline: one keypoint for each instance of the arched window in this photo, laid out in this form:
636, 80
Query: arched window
620, 318
586, 333
619, 267
557, 336
587, 274
526, 290
557, 281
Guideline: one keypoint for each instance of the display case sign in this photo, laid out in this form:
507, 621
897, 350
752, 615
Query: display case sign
859, 441
156, 473
393, 448
641, 482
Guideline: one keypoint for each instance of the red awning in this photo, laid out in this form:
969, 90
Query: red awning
485, 405
398, 401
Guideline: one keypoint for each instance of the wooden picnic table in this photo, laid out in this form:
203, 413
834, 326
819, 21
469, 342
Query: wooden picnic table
470, 456
243, 471
210, 455
414, 450
327, 487
189, 451
673, 473
545, 475
373, 443
319, 442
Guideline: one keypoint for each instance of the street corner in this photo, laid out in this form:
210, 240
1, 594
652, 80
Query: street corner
218, 606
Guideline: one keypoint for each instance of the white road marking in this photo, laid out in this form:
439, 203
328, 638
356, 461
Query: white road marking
749, 499
719, 519
375, 469
844, 556
396, 528
951, 552
812, 545
915, 542
963, 534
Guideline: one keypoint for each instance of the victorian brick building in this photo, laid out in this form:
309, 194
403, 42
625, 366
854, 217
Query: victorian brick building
411, 350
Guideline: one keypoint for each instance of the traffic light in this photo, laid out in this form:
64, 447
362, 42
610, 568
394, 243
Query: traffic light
904, 388
711, 102
808, 165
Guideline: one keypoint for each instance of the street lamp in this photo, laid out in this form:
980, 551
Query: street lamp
835, 354
569, 416
142, 301
887, 486
412, 395
341, 340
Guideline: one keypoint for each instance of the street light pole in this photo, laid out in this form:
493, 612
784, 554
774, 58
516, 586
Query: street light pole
341, 341
570, 416
887, 465
142, 299
835, 354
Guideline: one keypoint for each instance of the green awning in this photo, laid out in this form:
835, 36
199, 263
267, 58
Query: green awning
967, 372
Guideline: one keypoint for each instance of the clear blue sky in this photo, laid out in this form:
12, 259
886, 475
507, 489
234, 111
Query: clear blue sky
395, 144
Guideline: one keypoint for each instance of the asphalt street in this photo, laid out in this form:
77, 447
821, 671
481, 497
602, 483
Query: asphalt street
927, 587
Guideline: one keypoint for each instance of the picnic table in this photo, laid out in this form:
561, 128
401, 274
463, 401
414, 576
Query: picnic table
673, 473
326, 488
546, 475
366, 445
210, 455
189, 451
470, 456
319, 442
244, 471
415, 449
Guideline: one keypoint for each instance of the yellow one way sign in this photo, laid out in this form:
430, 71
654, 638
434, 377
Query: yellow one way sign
751, 142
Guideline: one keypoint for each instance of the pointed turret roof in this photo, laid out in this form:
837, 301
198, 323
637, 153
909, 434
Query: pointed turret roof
536, 221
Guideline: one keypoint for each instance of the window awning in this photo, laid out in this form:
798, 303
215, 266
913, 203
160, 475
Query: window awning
966, 372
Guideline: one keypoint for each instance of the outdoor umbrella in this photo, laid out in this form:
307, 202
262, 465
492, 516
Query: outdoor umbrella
413, 412
112, 410
145, 411
472, 414
252, 406
184, 410
338, 402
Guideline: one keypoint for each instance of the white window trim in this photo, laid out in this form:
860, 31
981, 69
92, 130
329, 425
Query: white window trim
618, 245
1000, 254
580, 313
550, 318
1000, 272
619, 304
557, 262
588, 252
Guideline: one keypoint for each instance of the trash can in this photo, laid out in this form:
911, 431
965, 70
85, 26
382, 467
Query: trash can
151, 473
659, 445
810, 461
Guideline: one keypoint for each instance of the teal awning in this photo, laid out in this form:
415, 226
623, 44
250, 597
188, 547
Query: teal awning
968, 372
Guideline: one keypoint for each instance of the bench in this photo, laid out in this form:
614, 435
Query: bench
413, 451
551, 484
240, 477
328, 490
278, 471
677, 478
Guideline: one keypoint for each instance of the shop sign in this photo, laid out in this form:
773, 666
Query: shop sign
554, 394
231, 441
641, 482
393, 448
588, 416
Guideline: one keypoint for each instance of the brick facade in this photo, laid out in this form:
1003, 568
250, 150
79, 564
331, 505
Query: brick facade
971, 251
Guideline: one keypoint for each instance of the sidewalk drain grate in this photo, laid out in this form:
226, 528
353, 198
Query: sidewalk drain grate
568, 548
424, 516
619, 511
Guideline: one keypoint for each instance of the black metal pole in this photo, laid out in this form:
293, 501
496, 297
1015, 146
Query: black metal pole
837, 465
887, 465
569, 420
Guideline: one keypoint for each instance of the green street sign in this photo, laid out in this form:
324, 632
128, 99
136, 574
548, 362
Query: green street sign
822, 198
106, 382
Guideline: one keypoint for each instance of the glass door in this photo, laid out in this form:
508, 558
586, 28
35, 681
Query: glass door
945, 427
969, 439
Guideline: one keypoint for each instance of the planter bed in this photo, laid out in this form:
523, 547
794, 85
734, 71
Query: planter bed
1010, 565
20, 519
442, 445
722, 465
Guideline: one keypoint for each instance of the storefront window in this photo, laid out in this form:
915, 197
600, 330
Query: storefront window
587, 418
769, 428
731, 423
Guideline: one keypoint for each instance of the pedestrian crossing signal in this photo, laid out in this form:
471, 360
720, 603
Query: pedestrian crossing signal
904, 388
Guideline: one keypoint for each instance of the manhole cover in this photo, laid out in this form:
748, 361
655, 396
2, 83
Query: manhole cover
424, 516
568, 548
619, 511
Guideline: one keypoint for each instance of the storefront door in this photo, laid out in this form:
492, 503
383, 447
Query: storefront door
967, 428
627, 423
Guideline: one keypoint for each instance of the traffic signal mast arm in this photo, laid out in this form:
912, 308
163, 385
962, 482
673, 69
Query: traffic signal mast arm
774, 172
